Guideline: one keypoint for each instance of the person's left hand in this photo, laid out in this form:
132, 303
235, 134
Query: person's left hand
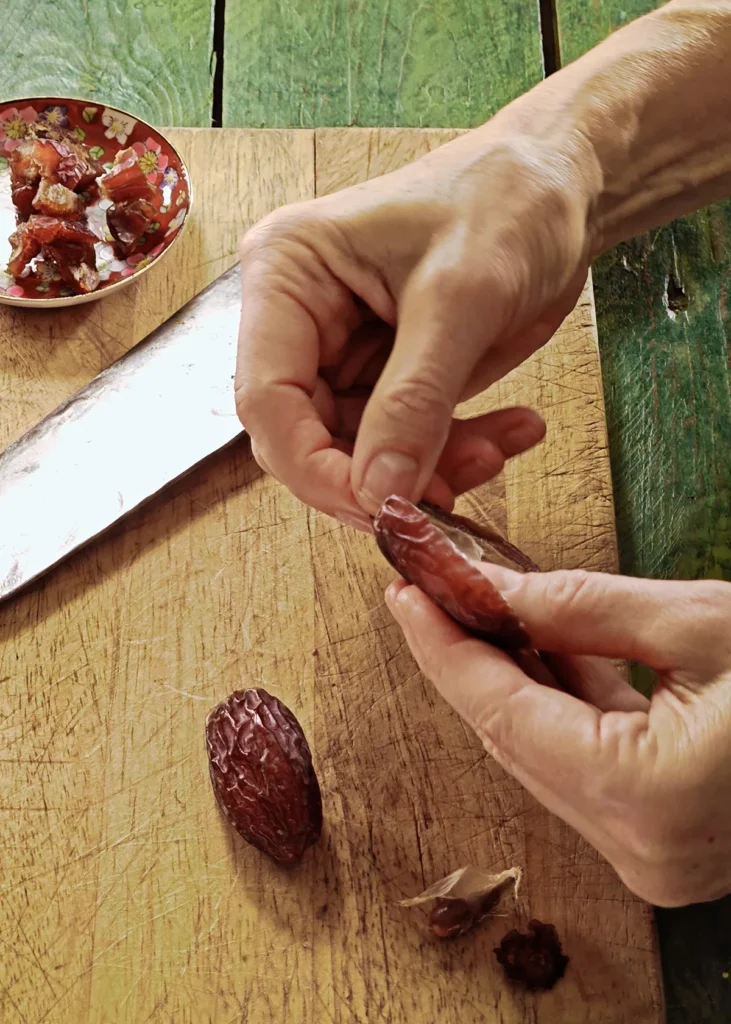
645, 782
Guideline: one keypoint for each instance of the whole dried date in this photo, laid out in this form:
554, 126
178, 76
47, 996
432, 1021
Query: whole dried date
261, 770
536, 960
437, 551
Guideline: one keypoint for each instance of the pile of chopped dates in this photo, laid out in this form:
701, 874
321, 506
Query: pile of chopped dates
54, 180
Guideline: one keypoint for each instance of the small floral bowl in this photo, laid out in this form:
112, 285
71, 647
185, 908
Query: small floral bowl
104, 131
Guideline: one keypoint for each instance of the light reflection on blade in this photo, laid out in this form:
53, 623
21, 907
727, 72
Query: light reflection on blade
141, 423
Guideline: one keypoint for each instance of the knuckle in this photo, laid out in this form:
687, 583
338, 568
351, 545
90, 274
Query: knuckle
452, 281
277, 227
459, 276
569, 588
418, 399
249, 398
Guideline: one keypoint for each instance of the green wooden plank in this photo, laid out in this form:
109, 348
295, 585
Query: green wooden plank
435, 63
696, 946
583, 24
664, 329
150, 57
664, 333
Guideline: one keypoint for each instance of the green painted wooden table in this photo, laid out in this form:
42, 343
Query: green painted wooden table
661, 300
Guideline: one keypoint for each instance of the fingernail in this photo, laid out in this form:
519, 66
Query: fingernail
357, 522
393, 593
522, 437
389, 473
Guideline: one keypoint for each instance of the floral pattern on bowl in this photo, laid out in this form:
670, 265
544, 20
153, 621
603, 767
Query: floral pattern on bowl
104, 131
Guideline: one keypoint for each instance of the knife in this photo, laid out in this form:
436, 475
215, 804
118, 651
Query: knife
143, 422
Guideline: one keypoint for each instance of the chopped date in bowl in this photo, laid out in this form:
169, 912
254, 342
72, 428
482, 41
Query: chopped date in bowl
54, 178
77, 162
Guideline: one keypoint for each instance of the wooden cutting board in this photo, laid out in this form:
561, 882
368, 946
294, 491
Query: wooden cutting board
125, 898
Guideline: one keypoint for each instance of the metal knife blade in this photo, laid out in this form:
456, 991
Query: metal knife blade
152, 415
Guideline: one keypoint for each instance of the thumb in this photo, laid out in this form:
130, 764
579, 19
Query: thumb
663, 624
443, 330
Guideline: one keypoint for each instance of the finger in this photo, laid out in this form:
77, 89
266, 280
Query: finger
665, 625
564, 751
326, 406
368, 347
530, 728
260, 460
348, 410
476, 449
444, 327
593, 680
597, 682
290, 310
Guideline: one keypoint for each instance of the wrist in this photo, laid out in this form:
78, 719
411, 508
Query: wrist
662, 89
644, 120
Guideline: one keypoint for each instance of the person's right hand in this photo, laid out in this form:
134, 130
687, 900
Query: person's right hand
368, 315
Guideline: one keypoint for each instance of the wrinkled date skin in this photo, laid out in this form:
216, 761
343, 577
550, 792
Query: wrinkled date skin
261, 769
437, 551
536, 959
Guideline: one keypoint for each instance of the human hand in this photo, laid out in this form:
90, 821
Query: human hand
645, 782
368, 315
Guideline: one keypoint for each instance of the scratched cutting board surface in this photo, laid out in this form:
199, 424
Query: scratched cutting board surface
125, 898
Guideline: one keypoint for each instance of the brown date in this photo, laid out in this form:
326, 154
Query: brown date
437, 551
262, 774
535, 959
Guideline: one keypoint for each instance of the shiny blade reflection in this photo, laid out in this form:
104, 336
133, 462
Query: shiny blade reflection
141, 423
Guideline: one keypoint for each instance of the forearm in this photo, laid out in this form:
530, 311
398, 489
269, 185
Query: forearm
648, 115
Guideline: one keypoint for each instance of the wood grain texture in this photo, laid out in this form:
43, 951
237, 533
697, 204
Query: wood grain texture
149, 57
664, 330
113, 907
377, 62
124, 895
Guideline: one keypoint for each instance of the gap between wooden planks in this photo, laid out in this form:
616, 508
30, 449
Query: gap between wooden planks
124, 895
